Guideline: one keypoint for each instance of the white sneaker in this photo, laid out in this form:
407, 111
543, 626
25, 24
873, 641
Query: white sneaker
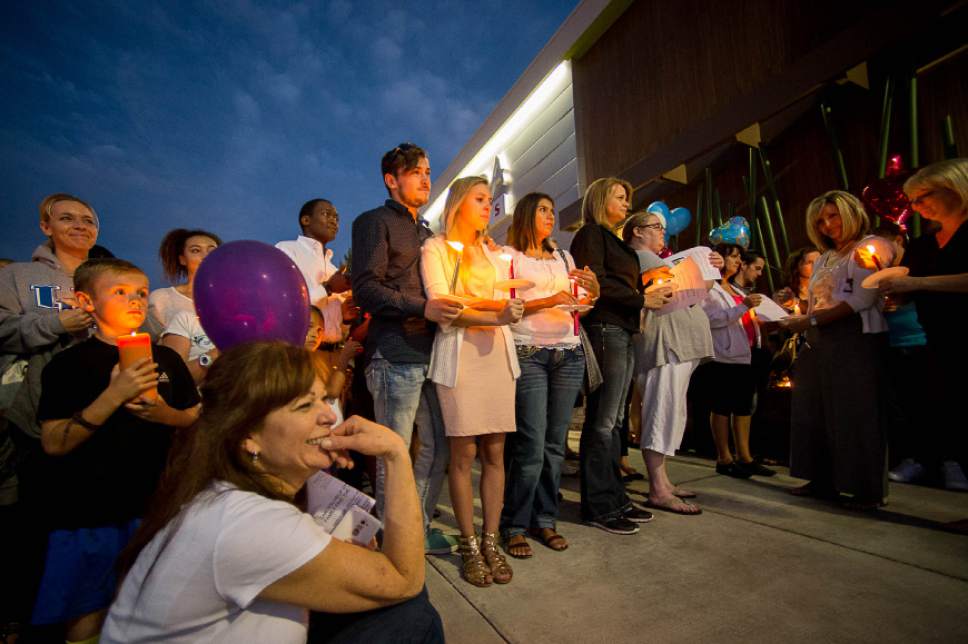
954, 476
907, 472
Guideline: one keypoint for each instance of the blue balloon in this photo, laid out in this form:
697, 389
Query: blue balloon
679, 220
735, 231
660, 207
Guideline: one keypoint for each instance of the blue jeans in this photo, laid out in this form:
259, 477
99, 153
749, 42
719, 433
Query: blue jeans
402, 395
602, 492
545, 399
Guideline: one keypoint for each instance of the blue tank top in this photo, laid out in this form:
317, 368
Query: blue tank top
903, 328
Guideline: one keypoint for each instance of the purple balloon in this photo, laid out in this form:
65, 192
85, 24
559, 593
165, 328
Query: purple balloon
247, 290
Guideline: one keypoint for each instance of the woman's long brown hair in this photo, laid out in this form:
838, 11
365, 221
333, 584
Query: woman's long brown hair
242, 387
523, 234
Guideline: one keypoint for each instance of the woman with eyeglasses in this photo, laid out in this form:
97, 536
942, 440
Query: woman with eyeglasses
668, 349
938, 285
38, 318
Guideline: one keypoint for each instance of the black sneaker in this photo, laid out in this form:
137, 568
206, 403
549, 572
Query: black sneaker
615, 525
756, 469
636, 515
733, 469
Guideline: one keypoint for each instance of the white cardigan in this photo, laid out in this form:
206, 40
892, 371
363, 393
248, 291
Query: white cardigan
436, 269
730, 342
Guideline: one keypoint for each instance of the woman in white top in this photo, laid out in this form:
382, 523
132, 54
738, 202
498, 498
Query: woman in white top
837, 434
552, 366
181, 253
227, 554
186, 336
473, 365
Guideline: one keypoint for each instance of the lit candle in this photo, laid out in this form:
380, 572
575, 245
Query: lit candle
131, 349
459, 247
796, 308
510, 260
877, 262
656, 286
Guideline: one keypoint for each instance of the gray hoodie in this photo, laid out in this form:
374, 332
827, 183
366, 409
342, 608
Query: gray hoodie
31, 296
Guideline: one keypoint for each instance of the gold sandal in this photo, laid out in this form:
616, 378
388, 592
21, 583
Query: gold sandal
500, 570
474, 570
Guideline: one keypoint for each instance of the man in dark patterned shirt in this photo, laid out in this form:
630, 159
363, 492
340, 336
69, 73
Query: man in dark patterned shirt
387, 285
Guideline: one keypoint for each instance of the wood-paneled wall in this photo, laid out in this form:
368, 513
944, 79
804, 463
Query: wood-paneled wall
665, 66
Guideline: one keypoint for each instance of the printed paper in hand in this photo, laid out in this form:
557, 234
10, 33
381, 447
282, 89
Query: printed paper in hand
329, 500
700, 255
690, 271
770, 311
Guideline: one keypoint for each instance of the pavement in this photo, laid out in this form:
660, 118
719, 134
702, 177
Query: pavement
759, 565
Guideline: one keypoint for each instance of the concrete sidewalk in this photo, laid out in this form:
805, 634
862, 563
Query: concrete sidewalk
757, 566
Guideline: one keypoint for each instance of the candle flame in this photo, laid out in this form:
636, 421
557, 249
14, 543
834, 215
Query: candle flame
506, 257
658, 281
871, 249
456, 245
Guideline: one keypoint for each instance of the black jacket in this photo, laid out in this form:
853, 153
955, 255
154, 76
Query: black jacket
617, 268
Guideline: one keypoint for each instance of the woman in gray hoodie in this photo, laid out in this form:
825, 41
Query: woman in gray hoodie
37, 310
37, 319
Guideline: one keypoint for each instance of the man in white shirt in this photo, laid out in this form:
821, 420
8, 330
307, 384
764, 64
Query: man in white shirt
328, 285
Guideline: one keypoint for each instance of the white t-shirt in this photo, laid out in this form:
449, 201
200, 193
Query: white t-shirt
164, 303
202, 586
186, 325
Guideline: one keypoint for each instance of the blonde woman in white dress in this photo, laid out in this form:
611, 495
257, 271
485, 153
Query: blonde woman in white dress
474, 365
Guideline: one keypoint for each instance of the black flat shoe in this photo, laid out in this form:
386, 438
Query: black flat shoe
733, 469
756, 469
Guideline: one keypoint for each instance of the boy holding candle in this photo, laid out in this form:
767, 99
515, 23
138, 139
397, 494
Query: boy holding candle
107, 431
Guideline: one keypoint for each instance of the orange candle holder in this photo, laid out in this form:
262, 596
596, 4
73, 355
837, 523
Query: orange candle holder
131, 349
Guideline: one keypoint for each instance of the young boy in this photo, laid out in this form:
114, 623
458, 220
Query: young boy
108, 445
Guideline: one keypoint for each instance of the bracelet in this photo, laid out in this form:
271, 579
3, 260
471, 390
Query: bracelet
86, 424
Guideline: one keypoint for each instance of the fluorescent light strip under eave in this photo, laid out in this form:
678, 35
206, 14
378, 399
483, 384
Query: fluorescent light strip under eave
553, 84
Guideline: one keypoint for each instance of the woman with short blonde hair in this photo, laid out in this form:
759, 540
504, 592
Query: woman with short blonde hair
594, 203
855, 222
938, 283
610, 325
838, 435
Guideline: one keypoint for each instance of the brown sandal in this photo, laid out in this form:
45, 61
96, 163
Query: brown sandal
518, 547
501, 572
474, 569
549, 538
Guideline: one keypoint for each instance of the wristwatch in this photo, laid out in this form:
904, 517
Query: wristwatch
205, 360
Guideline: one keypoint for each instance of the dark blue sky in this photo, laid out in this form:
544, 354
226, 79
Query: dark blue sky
229, 115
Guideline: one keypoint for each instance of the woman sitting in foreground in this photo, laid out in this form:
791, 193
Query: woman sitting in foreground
225, 553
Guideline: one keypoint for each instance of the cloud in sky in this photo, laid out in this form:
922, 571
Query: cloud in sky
229, 115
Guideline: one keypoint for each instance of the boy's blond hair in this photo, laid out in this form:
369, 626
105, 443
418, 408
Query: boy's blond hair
88, 273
